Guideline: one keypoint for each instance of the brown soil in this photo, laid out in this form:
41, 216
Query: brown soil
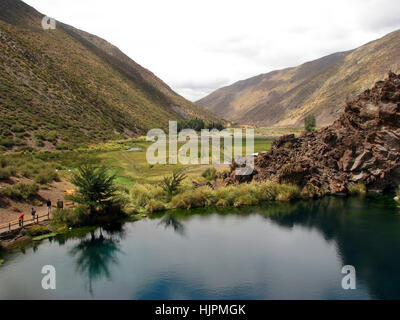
10, 210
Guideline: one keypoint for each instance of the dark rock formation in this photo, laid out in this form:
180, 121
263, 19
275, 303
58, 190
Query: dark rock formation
362, 146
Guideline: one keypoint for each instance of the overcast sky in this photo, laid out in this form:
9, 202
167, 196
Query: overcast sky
199, 46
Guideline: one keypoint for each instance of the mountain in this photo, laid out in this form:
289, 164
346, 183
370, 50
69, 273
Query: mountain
320, 87
362, 147
63, 87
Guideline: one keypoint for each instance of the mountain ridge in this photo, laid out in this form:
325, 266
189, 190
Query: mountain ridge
63, 87
285, 97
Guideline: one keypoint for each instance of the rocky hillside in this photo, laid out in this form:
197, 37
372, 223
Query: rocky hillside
63, 87
362, 146
286, 97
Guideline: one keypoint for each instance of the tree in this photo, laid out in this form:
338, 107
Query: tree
96, 187
171, 184
310, 123
215, 125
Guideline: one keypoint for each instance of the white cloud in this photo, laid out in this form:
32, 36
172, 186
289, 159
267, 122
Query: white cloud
209, 44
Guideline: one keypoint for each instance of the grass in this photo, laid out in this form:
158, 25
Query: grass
357, 189
70, 217
6, 173
45, 236
21, 192
36, 231
209, 174
152, 198
274, 131
132, 167
140, 179
28, 166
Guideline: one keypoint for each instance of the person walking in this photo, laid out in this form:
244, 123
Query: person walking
48, 207
21, 220
33, 213
60, 204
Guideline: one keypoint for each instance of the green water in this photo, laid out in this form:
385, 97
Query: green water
279, 251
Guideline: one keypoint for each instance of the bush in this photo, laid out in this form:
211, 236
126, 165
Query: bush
5, 174
37, 231
72, 217
310, 123
215, 125
357, 189
236, 196
3, 162
195, 124
171, 184
8, 143
155, 206
21, 191
29, 170
209, 174
141, 195
287, 192
47, 175
198, 198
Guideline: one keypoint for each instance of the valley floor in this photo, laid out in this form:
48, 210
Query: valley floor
130, 168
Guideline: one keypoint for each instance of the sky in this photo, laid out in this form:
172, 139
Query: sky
197, 47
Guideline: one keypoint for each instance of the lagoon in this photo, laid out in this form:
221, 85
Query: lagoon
277, 251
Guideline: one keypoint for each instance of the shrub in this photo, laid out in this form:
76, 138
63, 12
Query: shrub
72, 217
47, 175
215, 125
3, 162
171, 184
155, 206
36, 231
195, 124
198, 198
5, 174
209, 174
17, 128
268, 191
141, 195
225, 196
357, 189
39, 143
287, 192
310, 123
8, 143
29, 170
21, 191
397, 198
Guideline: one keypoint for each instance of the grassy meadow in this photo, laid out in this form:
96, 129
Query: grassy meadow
140, 183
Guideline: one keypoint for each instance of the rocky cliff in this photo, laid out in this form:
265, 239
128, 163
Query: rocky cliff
362, 146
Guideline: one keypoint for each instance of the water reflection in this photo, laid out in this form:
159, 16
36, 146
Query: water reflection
365, 236
276, 251
170, 221
95, 255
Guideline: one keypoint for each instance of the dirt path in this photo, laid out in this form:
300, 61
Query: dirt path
11, 210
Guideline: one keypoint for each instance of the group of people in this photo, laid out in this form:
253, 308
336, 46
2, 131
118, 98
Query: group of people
60, 205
